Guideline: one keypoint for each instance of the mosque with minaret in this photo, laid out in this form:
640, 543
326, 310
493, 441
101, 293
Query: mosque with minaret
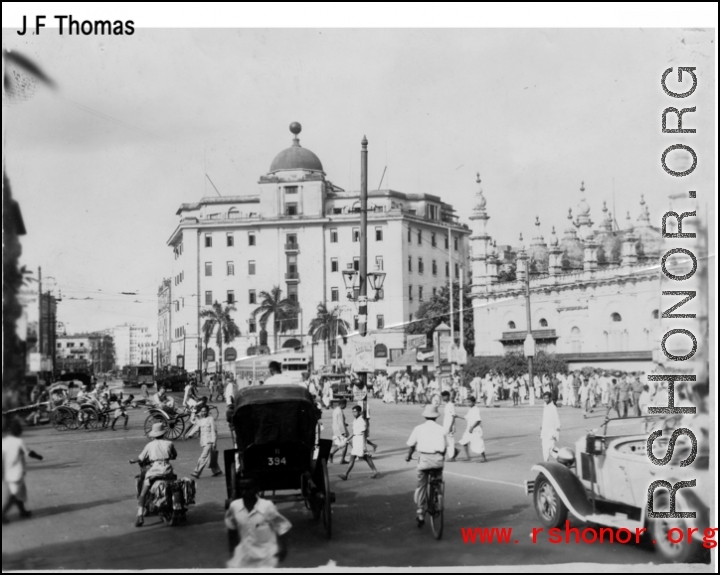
594, 288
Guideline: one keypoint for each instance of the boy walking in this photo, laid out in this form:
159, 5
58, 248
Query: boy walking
14, 452
359, 450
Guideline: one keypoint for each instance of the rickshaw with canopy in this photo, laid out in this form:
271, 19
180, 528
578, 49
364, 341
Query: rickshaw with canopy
276, 433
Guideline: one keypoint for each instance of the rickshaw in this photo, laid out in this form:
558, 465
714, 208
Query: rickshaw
175, 422
62, 415
276, 432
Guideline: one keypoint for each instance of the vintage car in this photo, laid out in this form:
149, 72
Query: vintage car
605, 478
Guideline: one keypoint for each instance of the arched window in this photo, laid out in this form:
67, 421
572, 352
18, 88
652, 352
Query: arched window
656, 314
575, 340
511, 325
233, 213
616, 317
381, 350
230, 354
543, 322
209, 355
292, 344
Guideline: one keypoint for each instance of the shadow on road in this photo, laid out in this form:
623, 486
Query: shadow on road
49, 511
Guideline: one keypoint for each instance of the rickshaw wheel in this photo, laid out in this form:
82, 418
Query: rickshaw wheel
175, 427
60, 418
151, 419
325, 503
90, 417
73, 419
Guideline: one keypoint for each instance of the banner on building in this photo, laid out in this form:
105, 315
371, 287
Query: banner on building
425, 355
416, 342
364, 357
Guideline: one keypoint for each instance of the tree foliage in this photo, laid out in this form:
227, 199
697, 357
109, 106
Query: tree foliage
328, 326
282, 310
436, 310
219, 317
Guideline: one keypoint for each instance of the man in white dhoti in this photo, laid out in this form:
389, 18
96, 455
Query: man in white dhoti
473, 432
550, 429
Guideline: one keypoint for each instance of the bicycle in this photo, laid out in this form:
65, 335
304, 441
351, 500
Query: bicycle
433, 502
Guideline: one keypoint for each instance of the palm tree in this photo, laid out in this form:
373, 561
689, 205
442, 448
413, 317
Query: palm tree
327, 325
283, 311
219, 316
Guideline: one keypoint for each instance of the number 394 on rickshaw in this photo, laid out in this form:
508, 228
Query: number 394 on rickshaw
278, 448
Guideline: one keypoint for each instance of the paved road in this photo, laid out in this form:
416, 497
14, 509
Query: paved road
82, 496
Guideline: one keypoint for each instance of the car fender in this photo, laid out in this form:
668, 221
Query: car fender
569, 488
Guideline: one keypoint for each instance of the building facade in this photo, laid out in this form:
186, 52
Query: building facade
299, 232
133, 345
164, 357
594, 289
73, 353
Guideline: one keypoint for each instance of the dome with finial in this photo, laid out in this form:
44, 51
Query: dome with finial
538, 239
583, 208
480, 201
649, 238
644, 217
296, 157
554, 241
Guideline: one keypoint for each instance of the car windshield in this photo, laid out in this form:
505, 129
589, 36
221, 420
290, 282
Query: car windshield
630, 425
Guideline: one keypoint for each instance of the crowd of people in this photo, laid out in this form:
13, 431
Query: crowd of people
623, 392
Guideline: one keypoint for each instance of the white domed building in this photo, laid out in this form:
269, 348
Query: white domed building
594, 289
299, 231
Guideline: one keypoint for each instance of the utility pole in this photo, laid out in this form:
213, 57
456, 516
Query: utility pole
363, 311
531, 390
462, 308
452, 303
40, 320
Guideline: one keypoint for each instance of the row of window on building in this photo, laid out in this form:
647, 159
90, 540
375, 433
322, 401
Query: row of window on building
433, 239
614, 317
291, 291
292, 266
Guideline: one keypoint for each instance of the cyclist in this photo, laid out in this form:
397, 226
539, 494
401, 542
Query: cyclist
429, 439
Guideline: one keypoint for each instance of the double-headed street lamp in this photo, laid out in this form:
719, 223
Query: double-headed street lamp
351, 277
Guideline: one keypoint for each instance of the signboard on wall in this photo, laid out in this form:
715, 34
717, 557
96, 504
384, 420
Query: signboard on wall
364, 357
416, 342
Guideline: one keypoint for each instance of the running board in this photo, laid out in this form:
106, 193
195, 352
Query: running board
618, 521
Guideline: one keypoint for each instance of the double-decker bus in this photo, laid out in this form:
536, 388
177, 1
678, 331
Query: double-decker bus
255, 367
137, 375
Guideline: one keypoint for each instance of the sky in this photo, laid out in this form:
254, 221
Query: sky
101, 165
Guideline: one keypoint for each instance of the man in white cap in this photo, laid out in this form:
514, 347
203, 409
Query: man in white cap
158, 453
429, 440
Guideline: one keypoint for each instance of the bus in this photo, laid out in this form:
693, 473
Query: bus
137, 375
255, 367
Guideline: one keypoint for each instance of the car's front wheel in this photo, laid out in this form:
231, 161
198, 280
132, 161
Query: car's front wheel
550, 509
